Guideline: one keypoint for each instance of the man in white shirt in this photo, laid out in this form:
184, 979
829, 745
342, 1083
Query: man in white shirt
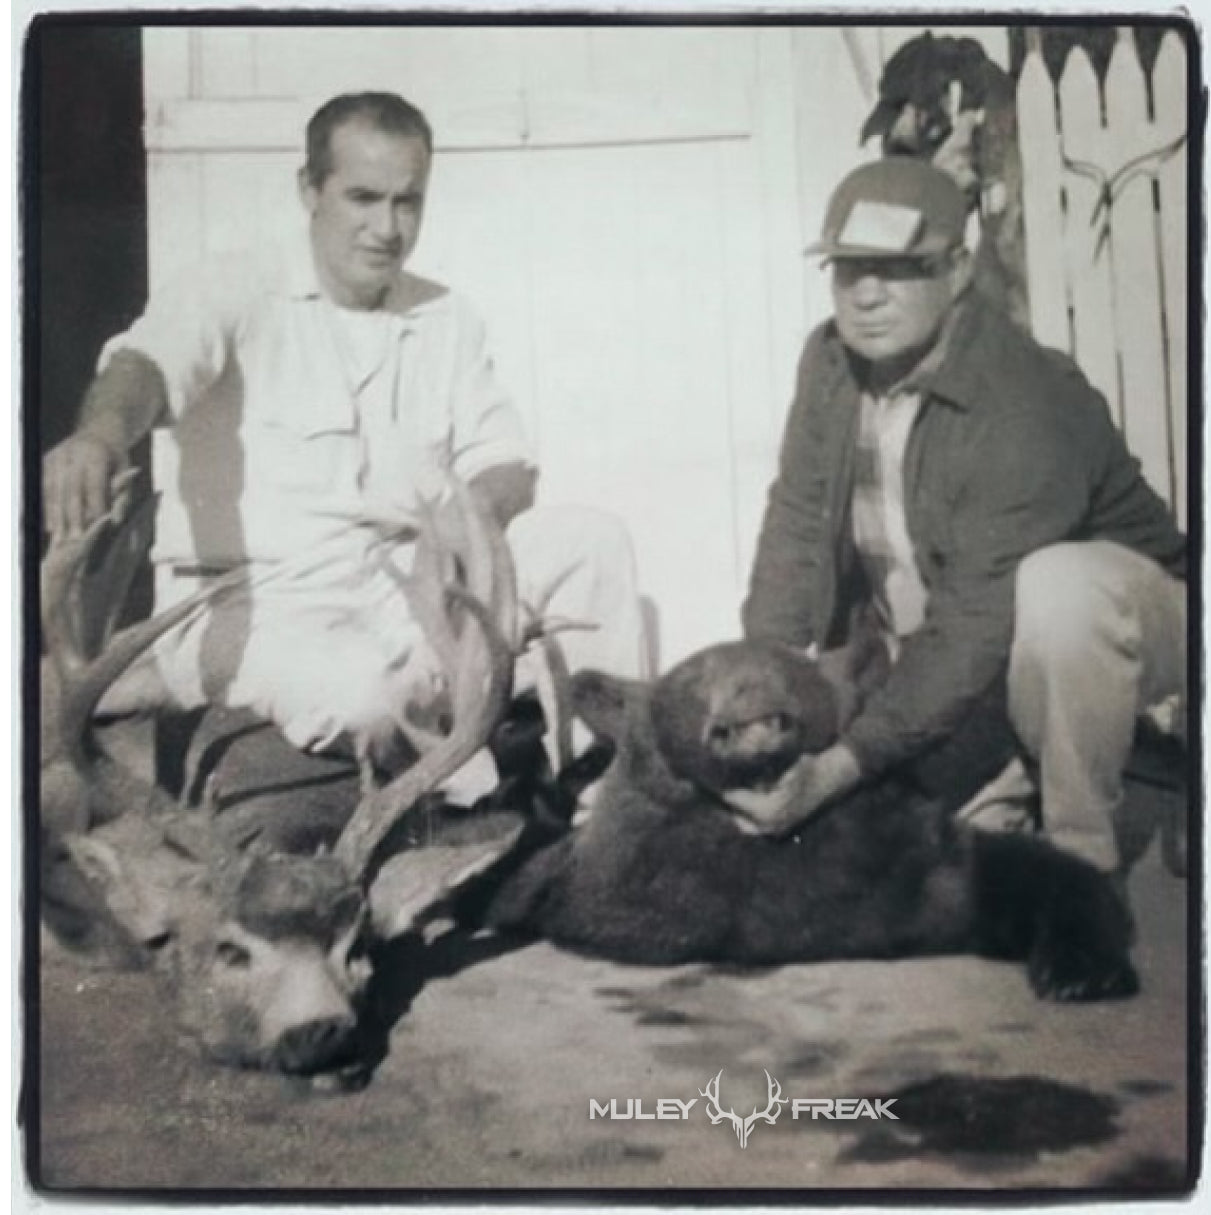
316, 394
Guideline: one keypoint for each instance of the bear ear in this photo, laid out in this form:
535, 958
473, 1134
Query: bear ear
602, 701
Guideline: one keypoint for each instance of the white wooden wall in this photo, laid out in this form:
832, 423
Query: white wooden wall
619, 203
626, 206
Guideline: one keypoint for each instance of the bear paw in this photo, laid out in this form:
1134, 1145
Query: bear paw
1072, 972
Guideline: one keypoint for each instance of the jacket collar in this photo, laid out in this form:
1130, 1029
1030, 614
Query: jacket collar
960, 377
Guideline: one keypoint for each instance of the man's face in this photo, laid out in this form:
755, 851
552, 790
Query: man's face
889, 307
366, 214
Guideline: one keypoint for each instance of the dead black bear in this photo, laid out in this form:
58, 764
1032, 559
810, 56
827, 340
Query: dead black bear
661, 873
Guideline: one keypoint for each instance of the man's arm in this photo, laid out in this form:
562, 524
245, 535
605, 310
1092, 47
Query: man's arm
790, 546
1031, 488
121, 406
502, 493
150, 373
505, 491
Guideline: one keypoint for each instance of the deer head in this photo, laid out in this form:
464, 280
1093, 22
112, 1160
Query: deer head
264, 955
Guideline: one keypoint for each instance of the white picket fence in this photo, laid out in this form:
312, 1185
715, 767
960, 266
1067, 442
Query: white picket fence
1106, 235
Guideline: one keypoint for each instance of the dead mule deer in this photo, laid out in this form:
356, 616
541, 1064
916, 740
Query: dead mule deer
263, 954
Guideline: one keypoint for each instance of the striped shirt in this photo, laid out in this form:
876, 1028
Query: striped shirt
879, 519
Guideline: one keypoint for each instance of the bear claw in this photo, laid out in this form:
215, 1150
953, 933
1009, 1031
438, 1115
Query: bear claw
1071, 977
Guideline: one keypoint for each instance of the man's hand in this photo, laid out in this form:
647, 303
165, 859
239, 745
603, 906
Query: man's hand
803, 789
80, 478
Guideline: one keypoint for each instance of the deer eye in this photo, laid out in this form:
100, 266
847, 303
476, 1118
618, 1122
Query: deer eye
233, 955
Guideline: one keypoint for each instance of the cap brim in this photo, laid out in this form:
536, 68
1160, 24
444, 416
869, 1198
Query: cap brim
834, 252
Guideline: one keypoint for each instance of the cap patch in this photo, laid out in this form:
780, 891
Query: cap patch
881, 225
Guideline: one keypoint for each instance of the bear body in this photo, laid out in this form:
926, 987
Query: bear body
661, 872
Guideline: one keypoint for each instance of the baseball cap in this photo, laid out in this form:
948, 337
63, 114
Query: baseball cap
896, 207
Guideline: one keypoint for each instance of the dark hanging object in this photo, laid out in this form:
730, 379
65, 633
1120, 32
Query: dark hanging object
943, 100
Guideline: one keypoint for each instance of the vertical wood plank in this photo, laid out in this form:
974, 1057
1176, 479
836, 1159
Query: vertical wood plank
166, 56
1088, 268
555, 57
1042, 177
176, 219
745, 336
773, 316
828, 140
231, 187
1169, 94
782, 300
635, 371
227, 61
477, 238
1134, 245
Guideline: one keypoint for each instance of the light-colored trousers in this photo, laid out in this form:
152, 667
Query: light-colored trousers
336, 654
1099, 637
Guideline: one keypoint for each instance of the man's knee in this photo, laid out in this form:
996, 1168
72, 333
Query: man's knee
579, 563
561, 540
355, 703
1070, 597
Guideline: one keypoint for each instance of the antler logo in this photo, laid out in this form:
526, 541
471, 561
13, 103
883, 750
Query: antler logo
742, 1126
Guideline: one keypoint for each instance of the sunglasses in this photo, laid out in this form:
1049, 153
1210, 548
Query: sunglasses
890, 269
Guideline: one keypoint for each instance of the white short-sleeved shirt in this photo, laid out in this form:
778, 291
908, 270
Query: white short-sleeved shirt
292, 416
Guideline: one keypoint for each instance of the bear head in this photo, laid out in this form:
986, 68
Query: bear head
732, 715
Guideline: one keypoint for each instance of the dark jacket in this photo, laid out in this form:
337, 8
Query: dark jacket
1012, 450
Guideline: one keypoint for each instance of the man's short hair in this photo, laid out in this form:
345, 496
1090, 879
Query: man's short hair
384, 111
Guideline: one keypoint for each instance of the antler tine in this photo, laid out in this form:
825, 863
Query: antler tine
424, 589
67, 639
490, 579
82, 683
85, 687
554, 678
480, 681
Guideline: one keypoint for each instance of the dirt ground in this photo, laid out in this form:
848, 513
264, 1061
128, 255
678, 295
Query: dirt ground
494, 1060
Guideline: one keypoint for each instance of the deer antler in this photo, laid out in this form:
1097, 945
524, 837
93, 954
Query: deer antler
471, 628
82, 590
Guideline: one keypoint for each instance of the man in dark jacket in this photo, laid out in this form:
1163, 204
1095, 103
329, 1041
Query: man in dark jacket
969, 487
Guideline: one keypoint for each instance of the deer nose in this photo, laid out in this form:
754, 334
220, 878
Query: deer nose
314, 1045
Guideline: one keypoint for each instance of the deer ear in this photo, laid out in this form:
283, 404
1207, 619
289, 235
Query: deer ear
138, 907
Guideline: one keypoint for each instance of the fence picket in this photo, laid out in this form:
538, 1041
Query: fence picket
1041, 174
1136, 274
1084, 144
1169, 97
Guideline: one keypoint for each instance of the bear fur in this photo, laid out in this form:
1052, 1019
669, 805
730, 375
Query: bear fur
661, 872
